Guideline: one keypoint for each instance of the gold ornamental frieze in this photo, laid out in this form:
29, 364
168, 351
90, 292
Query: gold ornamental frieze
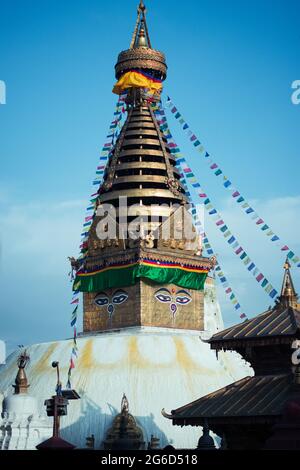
139, 253
141, 58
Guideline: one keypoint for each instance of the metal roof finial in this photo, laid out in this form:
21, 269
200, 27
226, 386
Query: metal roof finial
21, 383
140, 37
288, 295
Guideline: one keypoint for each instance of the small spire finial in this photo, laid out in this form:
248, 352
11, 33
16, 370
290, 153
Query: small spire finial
21, 382
288, 295
142, 6
140, 37
124, 405
286, 265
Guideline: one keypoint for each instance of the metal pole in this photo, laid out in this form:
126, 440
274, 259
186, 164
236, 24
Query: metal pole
56, 420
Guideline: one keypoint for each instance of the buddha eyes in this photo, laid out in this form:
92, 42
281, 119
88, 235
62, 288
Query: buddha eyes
163, 297
181, 297
119, 297
183, 300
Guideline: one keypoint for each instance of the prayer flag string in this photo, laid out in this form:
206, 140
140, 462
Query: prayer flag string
111, 137
230, 295
212, 211
227, 184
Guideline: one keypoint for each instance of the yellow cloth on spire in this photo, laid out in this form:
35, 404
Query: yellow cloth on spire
136, 80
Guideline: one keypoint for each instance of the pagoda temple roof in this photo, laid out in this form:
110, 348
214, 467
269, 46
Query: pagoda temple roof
251, 397
261, 398
277, 324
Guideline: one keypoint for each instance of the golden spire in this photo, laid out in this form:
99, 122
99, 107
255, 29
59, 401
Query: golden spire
21, 383
288, 294
140, 37
140, 54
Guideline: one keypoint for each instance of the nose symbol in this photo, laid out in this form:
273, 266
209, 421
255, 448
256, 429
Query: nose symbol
173, 308
110, 309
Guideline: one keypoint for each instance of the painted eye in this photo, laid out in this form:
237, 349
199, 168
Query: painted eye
101, 300
120, 297
183, 300
163, 297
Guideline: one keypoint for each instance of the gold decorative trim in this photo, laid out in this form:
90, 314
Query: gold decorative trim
141, 58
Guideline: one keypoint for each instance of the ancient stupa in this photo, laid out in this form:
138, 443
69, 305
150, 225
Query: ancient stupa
22, 424
148, 298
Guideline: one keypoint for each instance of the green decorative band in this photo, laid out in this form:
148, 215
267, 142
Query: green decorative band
128, 275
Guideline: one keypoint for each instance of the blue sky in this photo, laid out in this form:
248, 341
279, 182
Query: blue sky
231, 65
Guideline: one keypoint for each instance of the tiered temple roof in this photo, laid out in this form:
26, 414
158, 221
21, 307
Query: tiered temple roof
253, 405
278, 323
250, 397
